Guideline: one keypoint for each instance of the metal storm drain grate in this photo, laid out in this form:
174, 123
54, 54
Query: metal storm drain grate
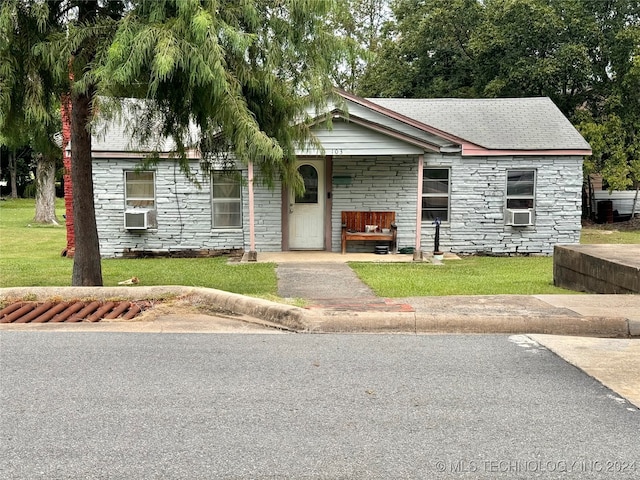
73, 311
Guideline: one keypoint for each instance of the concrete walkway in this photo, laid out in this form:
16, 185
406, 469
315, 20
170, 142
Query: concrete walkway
320, 281
341, 302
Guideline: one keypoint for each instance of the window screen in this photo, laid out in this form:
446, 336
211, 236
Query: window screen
227, 202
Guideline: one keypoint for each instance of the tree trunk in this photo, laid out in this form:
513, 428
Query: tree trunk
87, 270
65, 115
13, 173
635, 201
45, 191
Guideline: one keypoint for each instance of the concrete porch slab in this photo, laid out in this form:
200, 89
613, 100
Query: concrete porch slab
627, 306
302, 256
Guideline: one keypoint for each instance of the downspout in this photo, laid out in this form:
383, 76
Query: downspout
417, 252
251, 255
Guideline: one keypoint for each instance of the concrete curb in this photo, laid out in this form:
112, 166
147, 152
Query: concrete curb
467, 324
324, 321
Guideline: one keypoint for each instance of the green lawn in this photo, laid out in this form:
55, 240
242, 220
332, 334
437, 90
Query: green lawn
481, 275
467, 276
30, 253
30, 256
609, 235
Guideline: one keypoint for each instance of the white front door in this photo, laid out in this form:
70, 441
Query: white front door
306, 212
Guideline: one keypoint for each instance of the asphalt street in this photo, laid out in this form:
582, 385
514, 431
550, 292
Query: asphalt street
142, 405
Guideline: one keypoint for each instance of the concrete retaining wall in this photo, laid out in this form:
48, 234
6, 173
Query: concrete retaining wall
597, 268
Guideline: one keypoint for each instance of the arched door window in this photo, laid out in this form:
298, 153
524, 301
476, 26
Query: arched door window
310, 176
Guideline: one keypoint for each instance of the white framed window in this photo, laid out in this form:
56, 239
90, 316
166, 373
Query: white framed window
520, 198
140, 189
226, 189
435, 194
521, 188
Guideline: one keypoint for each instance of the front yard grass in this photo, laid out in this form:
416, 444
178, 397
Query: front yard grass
467, 276
609, 234
30, 256
485, 275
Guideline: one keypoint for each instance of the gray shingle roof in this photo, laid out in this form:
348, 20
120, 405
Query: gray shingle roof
496, 123
115, 136
115, 133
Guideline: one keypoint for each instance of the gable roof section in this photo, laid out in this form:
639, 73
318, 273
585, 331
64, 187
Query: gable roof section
112, 135
491, 127
365, 119
349, 136
497, 126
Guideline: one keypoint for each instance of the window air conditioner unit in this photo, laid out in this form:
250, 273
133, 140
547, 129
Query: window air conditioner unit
136, 219
519, 218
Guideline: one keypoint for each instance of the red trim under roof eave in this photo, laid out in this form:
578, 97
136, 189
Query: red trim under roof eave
472, 151
118, 155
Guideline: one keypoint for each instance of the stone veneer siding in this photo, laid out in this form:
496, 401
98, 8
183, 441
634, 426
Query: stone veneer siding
477, 215
268, 218
183, 217
377, 184
477, 202
386, 183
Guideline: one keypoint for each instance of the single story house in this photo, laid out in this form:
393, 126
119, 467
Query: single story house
504, 176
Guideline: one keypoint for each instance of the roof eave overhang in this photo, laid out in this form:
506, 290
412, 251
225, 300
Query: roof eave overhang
475, 151
191, 154
404, 119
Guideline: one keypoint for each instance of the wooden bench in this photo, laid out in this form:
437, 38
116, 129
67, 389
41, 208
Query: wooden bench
354, 227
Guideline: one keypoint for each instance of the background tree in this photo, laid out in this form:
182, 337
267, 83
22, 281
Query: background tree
611, 119
359, 24
14, 166
28, 116
30, 171
425, 51
534, 48
48, 158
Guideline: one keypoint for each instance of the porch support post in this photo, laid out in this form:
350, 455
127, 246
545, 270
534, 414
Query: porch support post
252, 255
328, 182
417, 253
